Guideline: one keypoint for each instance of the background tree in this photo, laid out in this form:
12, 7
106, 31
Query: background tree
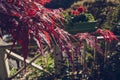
105, 12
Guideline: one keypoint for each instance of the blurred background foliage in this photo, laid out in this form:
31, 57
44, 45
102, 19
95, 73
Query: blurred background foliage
106, 12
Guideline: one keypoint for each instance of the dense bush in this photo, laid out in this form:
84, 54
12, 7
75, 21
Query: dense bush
107, 13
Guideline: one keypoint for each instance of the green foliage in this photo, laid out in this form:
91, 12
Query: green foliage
89, 17
66, 16
47, 63
13, 71
107, 13
86, 17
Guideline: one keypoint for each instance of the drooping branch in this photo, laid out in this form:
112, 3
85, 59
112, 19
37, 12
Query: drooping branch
25, 19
